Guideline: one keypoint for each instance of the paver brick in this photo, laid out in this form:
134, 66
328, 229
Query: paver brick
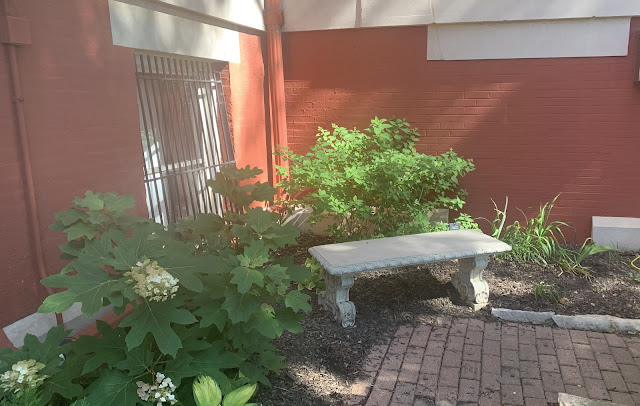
546, 347
386, 379
510, 329
449, 376
414, 355
562, 339
490, 382
409, 373
576, 390
509, 358
430, 365
468, 390
392, 361
459, 327
535, 402
589, 369
622, 356
512, 395
452, 358
549, 363
470, 370
455, 343
509, 342
544, 332
403, 394
532, 388
599, 346
571, 375
630, 373
614, 340
583, 351
491, 364
472, 353
596, 389
473, 337
434, 348
420, 336
492, 331
427, 385
476, 325
552, 382
379, 397
595, 334
529, 369
526, 334
490, 347
606, 362
439, 334
566, 357
622, 398
490, 399
447, 394
510, 376
404, 332
398, 345
528, 352
614, 381
421, 401
578, 337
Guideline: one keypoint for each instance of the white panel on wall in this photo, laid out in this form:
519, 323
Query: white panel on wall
248, 13
529, 39
141, 28
309, 15
376, 13
462, 11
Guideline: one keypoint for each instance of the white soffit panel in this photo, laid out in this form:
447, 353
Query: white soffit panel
529, 39
376, 13
248, 13
141, 28
310, 15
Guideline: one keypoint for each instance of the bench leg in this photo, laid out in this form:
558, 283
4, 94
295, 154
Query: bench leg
335, 298
468, 281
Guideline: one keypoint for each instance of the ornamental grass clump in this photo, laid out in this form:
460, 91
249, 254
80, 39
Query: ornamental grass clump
373, 182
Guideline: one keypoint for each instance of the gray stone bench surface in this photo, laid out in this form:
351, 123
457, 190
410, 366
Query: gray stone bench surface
340, 262
371, 255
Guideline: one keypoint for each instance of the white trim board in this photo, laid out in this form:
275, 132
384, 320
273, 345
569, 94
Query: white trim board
529, 39
308, 15
142, 28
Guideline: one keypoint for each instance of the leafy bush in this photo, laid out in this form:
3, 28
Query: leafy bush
539, 240
203, 297
373, 183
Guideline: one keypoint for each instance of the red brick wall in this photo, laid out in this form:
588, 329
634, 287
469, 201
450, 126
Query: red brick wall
534, 127
82, 119
247, 105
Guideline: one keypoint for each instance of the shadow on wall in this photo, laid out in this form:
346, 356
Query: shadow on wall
534, 127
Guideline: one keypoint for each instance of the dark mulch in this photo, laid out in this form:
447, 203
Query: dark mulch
325, 359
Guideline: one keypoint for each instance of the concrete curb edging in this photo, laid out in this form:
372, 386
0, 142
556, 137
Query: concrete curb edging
591, 322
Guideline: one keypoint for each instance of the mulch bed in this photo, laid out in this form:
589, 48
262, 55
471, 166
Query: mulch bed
325, 359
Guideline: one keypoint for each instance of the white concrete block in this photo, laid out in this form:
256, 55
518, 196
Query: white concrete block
523, 316
596, 322
37, 324
529, 39
619, 232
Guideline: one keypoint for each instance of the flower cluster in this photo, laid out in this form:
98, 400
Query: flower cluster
161, 391
153, 282
23, 374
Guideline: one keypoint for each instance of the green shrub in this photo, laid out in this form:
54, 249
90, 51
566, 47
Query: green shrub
373, 183
205, 297
538, 240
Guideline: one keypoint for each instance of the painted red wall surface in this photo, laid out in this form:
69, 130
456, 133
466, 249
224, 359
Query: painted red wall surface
82, 120
534, 127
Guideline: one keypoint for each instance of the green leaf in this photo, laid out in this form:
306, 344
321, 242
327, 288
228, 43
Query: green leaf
50, 349
265, 323
89, 286
299, 273
91, 201
118, 204
129, 251
255, 255
263, 192
206, 391
240, 396
212, 314
115, 388
68, 217
108, 349
205, 224
186, 269
246, 277
78, 230
277, 274
261, 220
214, 361
96, 252
180, 367
289, 320
297, 300
137, 361
157, 319
62, 382
240, 306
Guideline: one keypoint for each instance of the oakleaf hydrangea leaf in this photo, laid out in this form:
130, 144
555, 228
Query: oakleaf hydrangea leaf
246, 277
297, 300
212, 314
137, 361
156, 319
115, 388
91, 201
255, 255
240, 306
107, 349
89, 286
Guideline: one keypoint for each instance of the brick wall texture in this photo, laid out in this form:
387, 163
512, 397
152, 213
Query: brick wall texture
534, 127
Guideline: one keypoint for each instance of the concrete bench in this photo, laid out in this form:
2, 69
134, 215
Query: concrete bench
342, 261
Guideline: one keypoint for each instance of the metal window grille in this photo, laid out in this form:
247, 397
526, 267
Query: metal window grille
185, 135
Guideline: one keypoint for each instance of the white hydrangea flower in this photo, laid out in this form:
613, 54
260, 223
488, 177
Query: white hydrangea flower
23, 374
161, 391
152, 281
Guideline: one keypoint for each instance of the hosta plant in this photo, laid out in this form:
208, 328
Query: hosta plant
373, 182
206, 392
202, 297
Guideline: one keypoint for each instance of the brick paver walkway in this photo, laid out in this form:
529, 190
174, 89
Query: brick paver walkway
461, 361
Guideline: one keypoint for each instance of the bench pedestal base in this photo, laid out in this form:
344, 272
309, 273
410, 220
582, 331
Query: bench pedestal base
335, 298
469, 283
